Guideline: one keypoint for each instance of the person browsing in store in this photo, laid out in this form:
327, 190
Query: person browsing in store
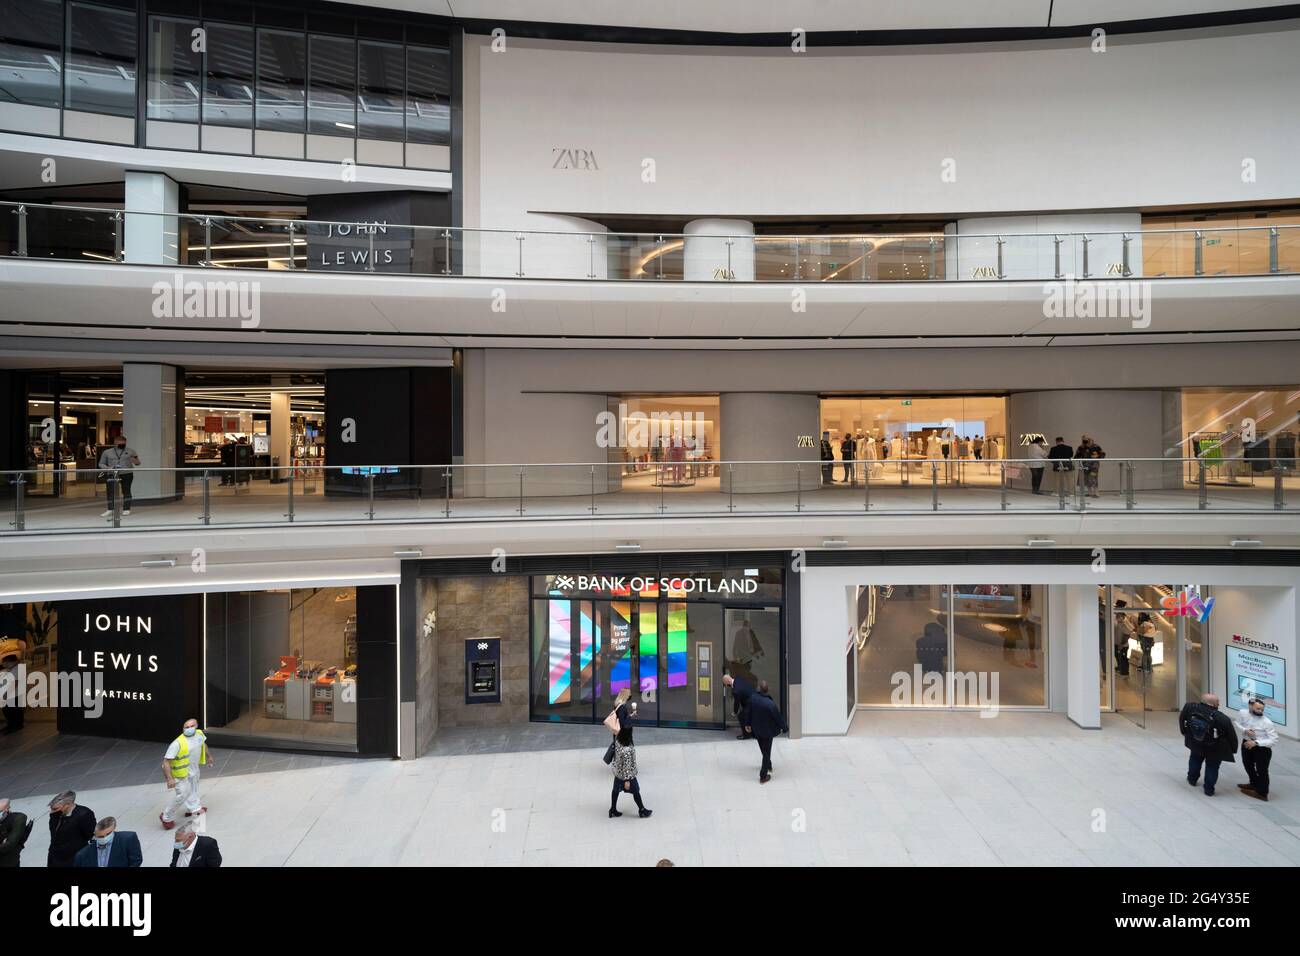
1258, 735
185, 757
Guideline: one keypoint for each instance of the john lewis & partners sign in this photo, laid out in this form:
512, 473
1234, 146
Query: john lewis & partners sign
139, 646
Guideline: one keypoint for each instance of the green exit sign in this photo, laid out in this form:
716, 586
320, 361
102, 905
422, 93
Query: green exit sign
907, 401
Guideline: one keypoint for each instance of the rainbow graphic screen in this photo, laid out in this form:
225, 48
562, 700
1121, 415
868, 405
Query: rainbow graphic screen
648, 646
588, 644
559, 651
620, 647
677, 675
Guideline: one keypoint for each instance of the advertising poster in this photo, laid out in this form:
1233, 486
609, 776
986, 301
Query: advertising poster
1252, 674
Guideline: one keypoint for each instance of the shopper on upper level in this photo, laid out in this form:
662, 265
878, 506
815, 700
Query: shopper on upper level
117, 463
1060, 455
828, 460
848, 451
1037, 455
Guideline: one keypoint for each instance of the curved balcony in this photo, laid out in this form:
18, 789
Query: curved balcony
89, 234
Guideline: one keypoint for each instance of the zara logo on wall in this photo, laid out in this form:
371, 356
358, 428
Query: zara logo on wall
573, 158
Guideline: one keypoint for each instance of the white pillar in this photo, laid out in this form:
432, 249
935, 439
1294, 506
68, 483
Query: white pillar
149, 420
718, 250
766, 427
1083, 657
280, 415
149, 238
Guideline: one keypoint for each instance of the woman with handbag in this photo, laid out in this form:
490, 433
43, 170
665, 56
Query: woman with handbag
624, 766
618, 718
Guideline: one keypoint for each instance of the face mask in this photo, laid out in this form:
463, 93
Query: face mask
104, 840
189, 731
179, 845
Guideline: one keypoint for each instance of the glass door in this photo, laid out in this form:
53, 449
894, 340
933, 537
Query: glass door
753, 648
690, 657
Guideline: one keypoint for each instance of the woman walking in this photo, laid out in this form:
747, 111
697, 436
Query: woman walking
624, 766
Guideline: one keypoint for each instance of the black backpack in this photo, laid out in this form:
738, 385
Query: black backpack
1200, 725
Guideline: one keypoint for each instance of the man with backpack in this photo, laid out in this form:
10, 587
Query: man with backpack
1209, 735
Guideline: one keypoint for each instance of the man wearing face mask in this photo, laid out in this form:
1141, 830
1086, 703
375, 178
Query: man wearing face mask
110, 848
118, 461
1258, 735
14, 831
71, 826
191, 850
185, 756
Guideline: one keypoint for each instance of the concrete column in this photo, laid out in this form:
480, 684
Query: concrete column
766, 427
1126, 423
718, 250
149, 238
280, 443
149, 420
1083, 659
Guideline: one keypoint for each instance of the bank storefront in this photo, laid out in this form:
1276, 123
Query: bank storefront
557, 639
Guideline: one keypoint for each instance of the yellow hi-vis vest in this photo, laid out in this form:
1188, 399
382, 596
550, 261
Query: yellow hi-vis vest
181, 762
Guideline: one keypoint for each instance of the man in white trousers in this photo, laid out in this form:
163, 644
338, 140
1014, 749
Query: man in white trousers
181, 764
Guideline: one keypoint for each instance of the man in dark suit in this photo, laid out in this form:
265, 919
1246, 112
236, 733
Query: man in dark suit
110, 848
14, 831
71, 828
765, 723
1209, 735
741, 692
189, 849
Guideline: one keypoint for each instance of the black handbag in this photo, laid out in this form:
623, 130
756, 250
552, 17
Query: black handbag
609, 753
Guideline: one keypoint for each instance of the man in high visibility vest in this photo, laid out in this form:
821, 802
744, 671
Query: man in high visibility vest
181, 764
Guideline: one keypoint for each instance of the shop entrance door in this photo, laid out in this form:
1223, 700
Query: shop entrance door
1145, 656
753, 649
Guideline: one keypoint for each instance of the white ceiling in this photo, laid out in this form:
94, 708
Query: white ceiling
783, 16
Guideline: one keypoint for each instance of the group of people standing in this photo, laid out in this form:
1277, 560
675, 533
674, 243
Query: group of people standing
1062, 457
80, 839
1211, 739
760, 719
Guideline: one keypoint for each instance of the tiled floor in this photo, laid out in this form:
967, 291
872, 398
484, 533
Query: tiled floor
902, 789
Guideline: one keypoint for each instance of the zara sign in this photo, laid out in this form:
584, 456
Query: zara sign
147, 652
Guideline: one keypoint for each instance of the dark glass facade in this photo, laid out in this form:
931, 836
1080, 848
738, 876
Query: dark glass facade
665, 638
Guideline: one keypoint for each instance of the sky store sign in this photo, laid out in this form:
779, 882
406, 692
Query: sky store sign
627, 585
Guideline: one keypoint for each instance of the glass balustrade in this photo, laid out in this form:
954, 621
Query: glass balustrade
72, 233
149, 498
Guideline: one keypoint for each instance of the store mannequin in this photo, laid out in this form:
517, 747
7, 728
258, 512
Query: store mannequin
933, 447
